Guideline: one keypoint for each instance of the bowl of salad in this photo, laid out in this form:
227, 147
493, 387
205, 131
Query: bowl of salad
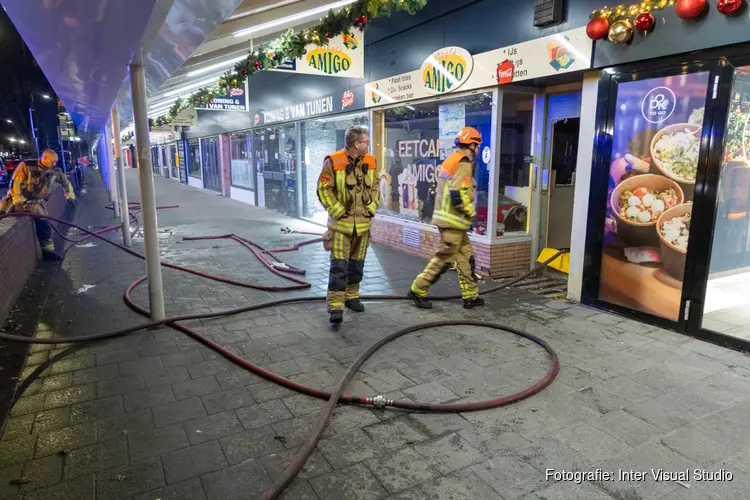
673, 229
674, 151
638, 202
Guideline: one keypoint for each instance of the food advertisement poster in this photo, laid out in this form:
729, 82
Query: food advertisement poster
655, 148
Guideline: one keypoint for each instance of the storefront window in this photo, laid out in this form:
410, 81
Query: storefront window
728, 289
321, 137
275, 156
242, 168
194, 162
514, 170
417, 139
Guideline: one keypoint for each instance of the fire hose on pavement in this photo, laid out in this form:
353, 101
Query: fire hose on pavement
269, 259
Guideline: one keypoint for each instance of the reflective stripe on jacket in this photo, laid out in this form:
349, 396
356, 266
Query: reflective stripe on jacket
32, 182
349, 191
456, 189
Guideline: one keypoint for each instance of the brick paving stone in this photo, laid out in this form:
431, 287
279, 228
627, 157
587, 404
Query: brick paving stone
251, 444
65, 439
195, 387
346, 449
459, 486
166, 376
296, 431
263, 414
42, 472
237, 482
81, 488
178, 411
122, 482
95, 458
230, 399
120, 385
148, 398
277, 462
401, 470
124, 424
49, 420
185, 490
95, 410
193, 461
157, 441
69, 396
449, 453
141, 365
299, 490
18, 427
394, 434
211, 427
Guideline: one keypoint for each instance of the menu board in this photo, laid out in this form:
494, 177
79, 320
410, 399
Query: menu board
655, 149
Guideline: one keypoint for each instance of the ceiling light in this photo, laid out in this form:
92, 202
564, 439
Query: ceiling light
220, 65
9, 120
22, 141
192, 86
12, 139
294, 17
46, 96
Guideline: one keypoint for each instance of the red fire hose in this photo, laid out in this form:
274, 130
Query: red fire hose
335, 396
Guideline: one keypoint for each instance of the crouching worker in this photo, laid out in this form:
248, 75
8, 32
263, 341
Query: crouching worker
33, 181
348, 188
453, 215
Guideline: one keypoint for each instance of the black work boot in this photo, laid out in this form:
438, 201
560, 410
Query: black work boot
355, 305
472, 303
420, 302
337, 317
52, 256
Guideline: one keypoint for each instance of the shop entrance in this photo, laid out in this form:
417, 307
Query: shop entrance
211, 167
558, 177
275, 152
673, 247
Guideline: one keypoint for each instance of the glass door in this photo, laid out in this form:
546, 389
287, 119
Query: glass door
720, 299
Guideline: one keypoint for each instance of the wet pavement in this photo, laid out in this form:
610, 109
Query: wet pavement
156, 415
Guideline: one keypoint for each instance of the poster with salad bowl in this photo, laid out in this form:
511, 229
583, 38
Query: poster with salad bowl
655, 149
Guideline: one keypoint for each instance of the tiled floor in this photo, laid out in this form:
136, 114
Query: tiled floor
156, 415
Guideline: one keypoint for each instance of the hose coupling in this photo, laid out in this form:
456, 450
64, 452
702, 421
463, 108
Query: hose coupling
380, 402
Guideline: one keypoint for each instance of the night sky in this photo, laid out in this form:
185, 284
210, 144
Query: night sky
20, 77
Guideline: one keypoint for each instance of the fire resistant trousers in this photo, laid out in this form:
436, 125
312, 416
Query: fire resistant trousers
347, 265
454, 247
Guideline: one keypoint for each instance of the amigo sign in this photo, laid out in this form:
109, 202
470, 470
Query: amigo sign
329, 61
446, 70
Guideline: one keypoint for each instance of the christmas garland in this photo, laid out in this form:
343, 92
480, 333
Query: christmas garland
291, 46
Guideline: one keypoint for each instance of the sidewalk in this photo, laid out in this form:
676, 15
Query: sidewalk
156, 415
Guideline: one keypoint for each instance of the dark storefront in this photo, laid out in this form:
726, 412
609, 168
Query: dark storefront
668, 237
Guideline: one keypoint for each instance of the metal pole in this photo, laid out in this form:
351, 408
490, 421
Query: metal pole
112, 174
148, 198
62, 150
123, 188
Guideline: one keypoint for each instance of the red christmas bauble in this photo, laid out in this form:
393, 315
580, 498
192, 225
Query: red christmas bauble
730, 7
329, 34
645, 22
257, 64
689, 9
597, 28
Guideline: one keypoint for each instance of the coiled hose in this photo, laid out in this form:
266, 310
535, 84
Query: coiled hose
337, 394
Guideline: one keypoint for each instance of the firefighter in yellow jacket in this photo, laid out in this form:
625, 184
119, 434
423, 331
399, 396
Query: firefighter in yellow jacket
453, 215
349, 190
32, 183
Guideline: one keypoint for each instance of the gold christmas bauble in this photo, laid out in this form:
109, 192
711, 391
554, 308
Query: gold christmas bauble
621, 31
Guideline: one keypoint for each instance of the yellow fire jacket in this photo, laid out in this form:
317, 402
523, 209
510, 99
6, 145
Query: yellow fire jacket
456, 189
349, 191
33, 182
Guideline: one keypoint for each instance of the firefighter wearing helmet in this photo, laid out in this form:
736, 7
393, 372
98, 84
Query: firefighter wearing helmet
32, 183
349, 190
453, 215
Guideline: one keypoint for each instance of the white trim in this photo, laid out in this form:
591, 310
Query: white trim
586, 137
243, 195
195, 182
